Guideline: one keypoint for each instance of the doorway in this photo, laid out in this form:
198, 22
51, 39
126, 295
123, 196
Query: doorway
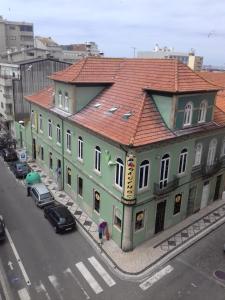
34, 148
217, 188
205, 195
160, 216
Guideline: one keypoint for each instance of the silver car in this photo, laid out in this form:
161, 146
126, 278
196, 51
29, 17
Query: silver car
41, 195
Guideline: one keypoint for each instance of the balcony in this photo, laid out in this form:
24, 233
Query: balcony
196, 172
171, 185
208, 171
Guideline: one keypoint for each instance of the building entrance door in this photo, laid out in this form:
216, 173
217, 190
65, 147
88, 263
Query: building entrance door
205, 194
160, 215
217, 188
34, 148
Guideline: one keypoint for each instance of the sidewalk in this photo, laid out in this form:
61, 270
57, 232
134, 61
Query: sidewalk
150, 255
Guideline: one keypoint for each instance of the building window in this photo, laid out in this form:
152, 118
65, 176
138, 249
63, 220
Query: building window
32, 118
40, 123
50, 129
58, 134
119, 172
68, 140
183, 161
177, 204
98, 159
68, 177
42, 153
50, 161
66, 102
212, 152
188, 114
198, 154
139, 220
96, 201
60, 99
143, 174
80, 186
80, 148
164, 171
202, 111
117, 218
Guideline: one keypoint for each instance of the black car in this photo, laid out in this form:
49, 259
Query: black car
20, 169
2, 229
60, 217
9, 154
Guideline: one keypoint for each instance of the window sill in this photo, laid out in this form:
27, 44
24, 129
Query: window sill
50, 137
97, 213
80, 196
68, 151
58, 144
97, 173
139, 230
117, 227
80, 160
118, 188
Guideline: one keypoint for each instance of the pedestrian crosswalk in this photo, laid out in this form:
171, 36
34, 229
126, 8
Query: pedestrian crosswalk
89, 276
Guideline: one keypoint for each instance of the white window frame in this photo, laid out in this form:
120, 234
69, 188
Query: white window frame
119, 174
66, 102
198, 154
164, 170
188, 111
68, 140
60, 99
40, 123
202, 111
50, 129
58, 134
144, 180
80, 144
97, 165
211, 152
183, 161
32, 117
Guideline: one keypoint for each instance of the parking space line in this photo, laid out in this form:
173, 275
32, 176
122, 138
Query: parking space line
23, 294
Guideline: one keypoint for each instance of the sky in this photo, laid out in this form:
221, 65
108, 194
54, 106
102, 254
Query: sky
121, 28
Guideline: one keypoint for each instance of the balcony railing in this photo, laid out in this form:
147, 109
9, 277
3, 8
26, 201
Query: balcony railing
171, 185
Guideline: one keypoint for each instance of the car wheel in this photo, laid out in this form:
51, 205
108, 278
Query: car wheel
56, 229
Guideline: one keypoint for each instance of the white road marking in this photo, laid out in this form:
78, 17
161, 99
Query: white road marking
68, 271
17, 257
54, 281
23, 294
41, 289
101, 271
10, 264
90, 279
150, 281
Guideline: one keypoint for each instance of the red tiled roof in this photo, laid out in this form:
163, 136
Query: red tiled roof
130, 79
43, 97
217, 78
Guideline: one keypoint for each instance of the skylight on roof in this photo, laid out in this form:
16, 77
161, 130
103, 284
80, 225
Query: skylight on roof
112, 109
97, 105
127, 115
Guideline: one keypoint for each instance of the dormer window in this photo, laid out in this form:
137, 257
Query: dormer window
112, 109
202, 112
188, 114
60, 99
66, 102
211, 152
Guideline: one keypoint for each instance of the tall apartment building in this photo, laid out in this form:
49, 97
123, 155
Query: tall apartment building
188, 58
15, 35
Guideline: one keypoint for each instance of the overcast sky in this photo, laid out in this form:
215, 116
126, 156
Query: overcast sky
119, 26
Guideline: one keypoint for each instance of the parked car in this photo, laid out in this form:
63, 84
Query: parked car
20, 169
41, 195
60, 217
2, 229
9, 154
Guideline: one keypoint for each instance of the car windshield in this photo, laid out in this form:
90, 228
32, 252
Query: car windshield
45, 196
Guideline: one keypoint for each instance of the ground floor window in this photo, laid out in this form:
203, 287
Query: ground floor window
139, 220
96, 201
80, 186
69, 176
42, 153
117, 218
50, 161
177, 204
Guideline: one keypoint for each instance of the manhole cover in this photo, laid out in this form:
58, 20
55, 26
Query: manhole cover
220, 274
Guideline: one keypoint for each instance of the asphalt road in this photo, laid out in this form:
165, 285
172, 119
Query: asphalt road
40, 264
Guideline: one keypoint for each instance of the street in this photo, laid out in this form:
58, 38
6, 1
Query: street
40, 264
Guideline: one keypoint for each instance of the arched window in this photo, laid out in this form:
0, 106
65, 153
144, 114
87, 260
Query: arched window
60, 99
164, 171
40, 123
68, 140
143, 174
188, 114
198, 154
183, 161
212, 152
202, 111
98, 159
50, 128
80, 148
119, 172
58, 134
66, 102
